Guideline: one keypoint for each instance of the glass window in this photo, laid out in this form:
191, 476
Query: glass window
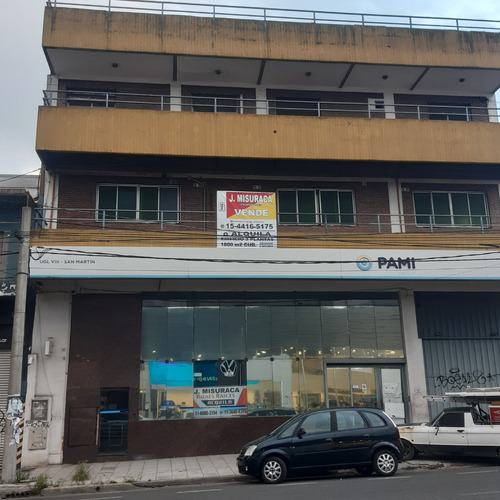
349, 420
278, 346
453, 419
216, 104
374, 419
315, 207
317, 423
450, 209
297, 107
138, 203
90, 98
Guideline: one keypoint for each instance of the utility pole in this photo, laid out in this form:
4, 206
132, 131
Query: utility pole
14, 405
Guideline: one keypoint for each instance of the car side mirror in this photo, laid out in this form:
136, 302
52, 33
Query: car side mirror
301, 432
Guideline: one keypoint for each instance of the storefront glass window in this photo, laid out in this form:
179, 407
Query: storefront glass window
216, 357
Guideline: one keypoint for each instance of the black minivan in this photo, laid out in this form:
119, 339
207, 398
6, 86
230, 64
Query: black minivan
365, 439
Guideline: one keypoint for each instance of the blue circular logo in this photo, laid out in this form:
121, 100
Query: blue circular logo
364, 263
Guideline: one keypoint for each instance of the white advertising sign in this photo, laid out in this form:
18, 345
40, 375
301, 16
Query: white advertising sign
246, 219
171, 262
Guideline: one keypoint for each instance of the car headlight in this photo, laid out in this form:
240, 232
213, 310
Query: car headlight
250, 450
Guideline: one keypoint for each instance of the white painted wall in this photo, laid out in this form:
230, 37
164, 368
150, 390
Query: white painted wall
415, 372
47, 375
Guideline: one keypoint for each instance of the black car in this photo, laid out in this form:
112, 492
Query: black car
365, 439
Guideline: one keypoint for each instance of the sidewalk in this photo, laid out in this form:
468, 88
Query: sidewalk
152, 473
159, 472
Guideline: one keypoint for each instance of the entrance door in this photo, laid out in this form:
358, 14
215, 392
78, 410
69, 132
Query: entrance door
370, 386
113, 420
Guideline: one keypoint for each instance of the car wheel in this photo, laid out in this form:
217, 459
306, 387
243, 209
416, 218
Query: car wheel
273, 470
385, 463
365, 471
409, 450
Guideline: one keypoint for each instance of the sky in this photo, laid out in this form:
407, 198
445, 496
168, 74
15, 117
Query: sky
23, 68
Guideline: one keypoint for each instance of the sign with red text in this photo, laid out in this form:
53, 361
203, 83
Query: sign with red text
246, 219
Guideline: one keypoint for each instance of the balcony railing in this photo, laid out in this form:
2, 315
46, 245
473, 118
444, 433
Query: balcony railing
225, 104
286, 15
168, 220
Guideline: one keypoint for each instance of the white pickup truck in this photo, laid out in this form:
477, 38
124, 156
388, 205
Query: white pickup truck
465, 430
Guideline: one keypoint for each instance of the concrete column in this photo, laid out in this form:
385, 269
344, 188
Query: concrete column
261, 101
47, 379
493, 111
397, 222
175, 97
390, 110
415, 368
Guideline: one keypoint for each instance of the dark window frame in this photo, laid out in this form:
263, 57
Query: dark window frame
439, 218
137, 213
319, 217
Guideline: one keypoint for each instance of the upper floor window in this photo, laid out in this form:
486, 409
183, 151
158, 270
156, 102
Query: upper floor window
449, 112
127, 202
216, 104
296, 107
92, 98
315, 206
450, 209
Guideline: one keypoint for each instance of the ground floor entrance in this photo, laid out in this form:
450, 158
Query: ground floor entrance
367, 385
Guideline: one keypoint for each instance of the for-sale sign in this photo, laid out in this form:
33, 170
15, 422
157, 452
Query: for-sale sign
246, 219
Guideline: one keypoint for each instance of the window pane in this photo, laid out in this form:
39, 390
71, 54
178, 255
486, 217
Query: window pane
287, 203
478, 207
346, 207
148, 203
441, 207
127, 199
317, 423
308, 320
284, 328
460, 204
258, 331
362, 331
423, 208
206, 332
297, 107
180, 332
107, 202
154, 333
348, 420
335, 331
232, 331
329, 207
169, 204
307, 207
389, 337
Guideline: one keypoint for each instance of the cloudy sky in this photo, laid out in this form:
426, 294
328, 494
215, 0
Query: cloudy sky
24, 69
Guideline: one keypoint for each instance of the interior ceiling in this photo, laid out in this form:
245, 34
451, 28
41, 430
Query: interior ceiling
163, 69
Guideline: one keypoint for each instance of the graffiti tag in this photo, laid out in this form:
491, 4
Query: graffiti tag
455, 379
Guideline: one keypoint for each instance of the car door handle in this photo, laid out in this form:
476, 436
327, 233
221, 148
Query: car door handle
329, 440
460, 430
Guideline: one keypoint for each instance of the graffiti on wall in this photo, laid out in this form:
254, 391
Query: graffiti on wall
456, 379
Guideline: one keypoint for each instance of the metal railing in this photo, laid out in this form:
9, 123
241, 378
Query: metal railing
225, 104
281, 14
163, 220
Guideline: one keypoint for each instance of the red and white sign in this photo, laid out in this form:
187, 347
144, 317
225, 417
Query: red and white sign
246, 219
220, 401
495, 414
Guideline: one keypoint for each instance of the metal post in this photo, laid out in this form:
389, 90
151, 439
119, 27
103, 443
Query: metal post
14, 405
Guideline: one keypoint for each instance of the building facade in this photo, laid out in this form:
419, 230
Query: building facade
247, 217
16, 192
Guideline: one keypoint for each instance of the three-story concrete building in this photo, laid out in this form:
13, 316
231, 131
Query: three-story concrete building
250, 213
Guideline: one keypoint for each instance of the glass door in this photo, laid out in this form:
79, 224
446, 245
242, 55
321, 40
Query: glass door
369, 386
